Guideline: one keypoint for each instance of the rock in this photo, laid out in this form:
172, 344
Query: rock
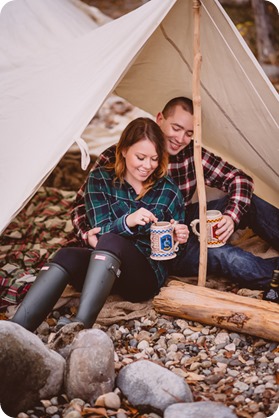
62, 340
73, 414
74, 409
109, 400
241, 386
29, 370
222, 338
198, 410
90, 366
150, 386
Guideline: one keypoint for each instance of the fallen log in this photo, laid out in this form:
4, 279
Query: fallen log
223, 309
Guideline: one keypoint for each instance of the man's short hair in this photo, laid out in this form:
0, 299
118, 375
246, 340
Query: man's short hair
184, 102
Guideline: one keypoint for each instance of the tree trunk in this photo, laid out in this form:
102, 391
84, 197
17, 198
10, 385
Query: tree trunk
266, 51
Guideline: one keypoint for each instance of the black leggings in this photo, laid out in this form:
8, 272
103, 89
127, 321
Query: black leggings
137, 281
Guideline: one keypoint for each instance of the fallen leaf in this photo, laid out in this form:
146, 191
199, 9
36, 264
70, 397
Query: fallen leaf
191, 360
242, 414
73, 310
196, 328
51, 322
158, 334
97, 411
130, 408
240, 358
194, 377
228, 354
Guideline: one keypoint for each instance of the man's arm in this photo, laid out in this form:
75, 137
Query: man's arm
78, 215
239, 186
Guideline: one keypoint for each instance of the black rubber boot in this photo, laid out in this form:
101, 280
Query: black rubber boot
102, 271
42, 296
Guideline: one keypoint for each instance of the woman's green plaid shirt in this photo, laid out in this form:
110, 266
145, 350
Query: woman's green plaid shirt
108, 204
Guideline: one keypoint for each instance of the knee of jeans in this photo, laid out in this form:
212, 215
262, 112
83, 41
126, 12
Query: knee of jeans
257, 200
263, 206
223, 256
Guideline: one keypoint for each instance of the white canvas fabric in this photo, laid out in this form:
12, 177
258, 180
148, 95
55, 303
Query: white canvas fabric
57, 66
239, 104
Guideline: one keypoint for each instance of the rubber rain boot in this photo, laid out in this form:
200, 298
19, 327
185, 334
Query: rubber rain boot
42, 296
102, 271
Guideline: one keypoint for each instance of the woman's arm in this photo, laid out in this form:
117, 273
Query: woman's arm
78, 214
100, 196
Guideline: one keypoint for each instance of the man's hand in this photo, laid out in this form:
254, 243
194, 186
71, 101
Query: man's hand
225, 228
92, 238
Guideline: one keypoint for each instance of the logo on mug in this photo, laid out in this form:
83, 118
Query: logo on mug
166, 242
162, 242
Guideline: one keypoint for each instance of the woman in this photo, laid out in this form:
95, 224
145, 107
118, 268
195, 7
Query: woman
122, 199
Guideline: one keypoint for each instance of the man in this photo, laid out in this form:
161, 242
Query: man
240, 207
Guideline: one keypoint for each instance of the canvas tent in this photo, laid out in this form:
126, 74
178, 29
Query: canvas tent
57, 67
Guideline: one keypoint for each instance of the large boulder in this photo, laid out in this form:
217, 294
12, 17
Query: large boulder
199, 410
149, 386
29, 371
90, 366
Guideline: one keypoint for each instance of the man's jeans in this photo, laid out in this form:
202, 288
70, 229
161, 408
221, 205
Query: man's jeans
231, 261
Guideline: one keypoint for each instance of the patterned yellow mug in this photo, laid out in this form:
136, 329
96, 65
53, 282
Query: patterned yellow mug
213, 217
163, 246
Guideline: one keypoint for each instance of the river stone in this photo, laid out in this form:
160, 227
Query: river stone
149, 386
29, 371
62, 340
90, 366
198, 410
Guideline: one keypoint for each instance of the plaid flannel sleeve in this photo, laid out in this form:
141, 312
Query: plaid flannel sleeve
78, 214
239, 186
98, 193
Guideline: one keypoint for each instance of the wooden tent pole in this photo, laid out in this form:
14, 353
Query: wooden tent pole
198, 144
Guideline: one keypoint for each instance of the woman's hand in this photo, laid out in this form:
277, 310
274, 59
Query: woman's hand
141, 216
181, 232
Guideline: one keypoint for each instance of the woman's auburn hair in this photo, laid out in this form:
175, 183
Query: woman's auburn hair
137, 130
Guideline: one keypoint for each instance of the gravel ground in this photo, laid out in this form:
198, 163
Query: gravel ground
238, 370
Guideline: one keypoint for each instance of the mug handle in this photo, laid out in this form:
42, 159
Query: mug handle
193, 225
176, 244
